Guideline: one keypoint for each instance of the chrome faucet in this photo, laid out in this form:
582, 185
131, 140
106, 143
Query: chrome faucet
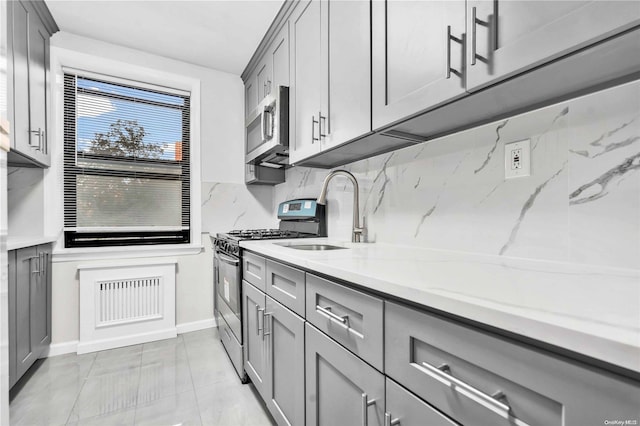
322, 199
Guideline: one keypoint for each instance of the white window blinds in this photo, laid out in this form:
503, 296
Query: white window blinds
126, 164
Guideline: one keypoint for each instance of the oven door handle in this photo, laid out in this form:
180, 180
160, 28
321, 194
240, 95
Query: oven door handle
229, 260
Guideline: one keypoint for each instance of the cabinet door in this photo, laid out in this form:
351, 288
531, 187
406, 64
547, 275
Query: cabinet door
306, 82
341, 388
280, 64
21, 136
346, 57
418, 56
507, 37
26, 271
12, 279
254, 354
41, 301
409, 410
38, 83
250, 95
285, 364
263, 78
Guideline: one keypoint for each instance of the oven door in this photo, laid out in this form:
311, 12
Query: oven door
228, 287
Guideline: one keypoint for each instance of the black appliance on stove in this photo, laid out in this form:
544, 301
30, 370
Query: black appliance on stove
302, 218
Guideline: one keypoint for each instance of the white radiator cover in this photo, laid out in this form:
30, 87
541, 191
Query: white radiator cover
126, 304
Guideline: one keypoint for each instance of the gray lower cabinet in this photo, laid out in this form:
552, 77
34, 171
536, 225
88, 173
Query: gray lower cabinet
253, 305
481, 379
341, 389
30, 307
404, 408
274, 355
284, 346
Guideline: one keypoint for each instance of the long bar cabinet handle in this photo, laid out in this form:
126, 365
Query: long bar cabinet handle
443, 373
366, 403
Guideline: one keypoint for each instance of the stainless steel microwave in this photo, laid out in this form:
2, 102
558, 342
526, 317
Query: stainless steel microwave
267, 138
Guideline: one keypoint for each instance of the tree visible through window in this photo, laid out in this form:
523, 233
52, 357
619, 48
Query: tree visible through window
126, 165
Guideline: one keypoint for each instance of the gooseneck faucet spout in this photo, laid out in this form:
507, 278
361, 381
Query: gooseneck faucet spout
322, 199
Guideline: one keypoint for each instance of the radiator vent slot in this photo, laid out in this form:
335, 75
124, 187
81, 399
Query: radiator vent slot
129, 300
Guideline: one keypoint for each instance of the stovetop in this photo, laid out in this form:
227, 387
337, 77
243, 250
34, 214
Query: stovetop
258, 234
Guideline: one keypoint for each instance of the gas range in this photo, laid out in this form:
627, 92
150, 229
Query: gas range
302, 218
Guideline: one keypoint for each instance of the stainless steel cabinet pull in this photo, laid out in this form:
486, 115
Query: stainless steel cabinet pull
474, 46
258, 328
443, 373
38, 132
321, 119
474, 36
389, 422
450, 37
264, 89
366, 403
327, 311
227, 259
264, 323
313, 129
268, 87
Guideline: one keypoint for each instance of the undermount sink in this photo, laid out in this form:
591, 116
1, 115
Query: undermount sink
312, 247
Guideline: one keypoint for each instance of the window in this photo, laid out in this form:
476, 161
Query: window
126, 164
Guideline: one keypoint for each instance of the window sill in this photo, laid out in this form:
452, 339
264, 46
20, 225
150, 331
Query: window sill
103, 253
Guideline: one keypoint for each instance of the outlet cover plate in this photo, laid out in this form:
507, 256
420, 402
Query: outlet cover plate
517, 159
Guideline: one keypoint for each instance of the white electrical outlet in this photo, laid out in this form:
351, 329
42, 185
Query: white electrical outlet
517, 159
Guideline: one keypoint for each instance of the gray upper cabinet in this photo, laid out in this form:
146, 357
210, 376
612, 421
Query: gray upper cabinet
30, 27
284, 345
509, 37
418, 57
346, 76
331, 75
250, 95
30, 307
341, 388
304, 95
279, 59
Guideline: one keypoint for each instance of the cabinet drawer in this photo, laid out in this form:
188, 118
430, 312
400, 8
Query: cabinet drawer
350, 317
462, 371
254, 269
286, 285
409, 410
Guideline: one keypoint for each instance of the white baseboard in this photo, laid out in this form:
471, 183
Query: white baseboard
188, 327
117, 342
56, 349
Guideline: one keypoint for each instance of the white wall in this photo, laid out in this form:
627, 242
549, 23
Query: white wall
221, 132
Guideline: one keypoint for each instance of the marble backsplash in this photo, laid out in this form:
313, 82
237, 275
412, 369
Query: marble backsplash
581, 203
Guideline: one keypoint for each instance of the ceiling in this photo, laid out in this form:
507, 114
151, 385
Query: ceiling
218, 34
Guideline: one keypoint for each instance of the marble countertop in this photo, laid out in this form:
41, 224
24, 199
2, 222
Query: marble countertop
590, 310
14, 243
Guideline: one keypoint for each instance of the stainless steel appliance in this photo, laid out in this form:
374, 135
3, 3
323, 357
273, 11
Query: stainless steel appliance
302, 218
267, 139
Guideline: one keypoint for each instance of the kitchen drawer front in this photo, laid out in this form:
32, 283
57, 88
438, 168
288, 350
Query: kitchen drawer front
254, 269
286, 285
539, 388
352, 318
232, 346
404, 407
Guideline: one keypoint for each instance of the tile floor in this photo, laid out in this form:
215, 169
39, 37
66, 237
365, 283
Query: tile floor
184, 381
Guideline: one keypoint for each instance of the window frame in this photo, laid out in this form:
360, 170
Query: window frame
74, 239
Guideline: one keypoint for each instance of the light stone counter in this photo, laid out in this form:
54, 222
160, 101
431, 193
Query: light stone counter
14, 243
590, 310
